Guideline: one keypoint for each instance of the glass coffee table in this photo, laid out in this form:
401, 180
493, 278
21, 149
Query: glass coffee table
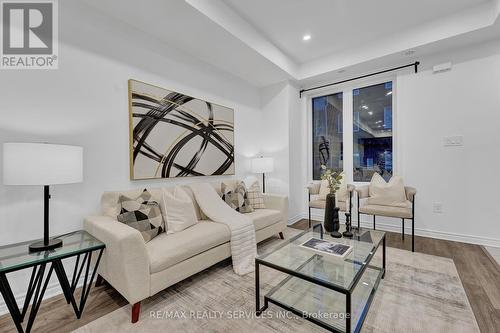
332, 292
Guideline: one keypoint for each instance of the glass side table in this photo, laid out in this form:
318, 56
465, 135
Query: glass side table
15, 257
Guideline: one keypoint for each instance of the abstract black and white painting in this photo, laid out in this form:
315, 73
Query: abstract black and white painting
175, 135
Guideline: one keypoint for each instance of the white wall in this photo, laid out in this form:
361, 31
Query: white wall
85, 102
274, 134
298, 166
282, 134
464, 101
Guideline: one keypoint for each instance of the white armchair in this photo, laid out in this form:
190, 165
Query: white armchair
389, 211
318, 203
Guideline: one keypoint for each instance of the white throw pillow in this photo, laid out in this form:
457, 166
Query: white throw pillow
324, 189
254, 195
178, 209
384, 193
340, 195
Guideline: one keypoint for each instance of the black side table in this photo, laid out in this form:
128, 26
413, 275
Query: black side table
79, 245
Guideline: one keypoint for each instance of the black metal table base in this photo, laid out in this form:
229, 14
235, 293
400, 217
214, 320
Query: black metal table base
37, 286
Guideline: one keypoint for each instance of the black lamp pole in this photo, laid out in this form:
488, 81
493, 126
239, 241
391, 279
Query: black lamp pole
263, 182
46, 200
46, 244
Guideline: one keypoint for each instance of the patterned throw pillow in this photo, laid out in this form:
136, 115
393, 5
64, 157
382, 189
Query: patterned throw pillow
255, 196
142, 214
236, 197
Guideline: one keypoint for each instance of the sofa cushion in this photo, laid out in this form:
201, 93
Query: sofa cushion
389, 211
324, 189
341, 193
262, 218
142, 214
321, 204
236, 197
167, 250
187, 189
342, 206
255, 196
178, 210
111, 206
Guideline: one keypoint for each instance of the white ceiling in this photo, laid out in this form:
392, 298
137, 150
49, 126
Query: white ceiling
177, 24
260, 41
337, 25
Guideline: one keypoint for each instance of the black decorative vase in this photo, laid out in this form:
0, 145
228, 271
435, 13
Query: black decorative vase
331, 222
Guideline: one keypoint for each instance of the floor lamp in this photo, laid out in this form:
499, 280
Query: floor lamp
263, 165
42, 164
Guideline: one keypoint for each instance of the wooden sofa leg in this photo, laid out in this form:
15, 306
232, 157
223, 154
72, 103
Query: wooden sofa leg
99, 281
281, 235
136, 310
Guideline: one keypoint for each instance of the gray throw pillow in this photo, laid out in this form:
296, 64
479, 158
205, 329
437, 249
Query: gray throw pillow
142, 214
237, 197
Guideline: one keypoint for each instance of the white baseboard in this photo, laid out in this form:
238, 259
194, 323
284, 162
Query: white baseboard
295, 219
396, 227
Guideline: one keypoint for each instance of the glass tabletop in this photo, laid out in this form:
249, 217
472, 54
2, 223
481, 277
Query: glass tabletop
18, 256
337, 271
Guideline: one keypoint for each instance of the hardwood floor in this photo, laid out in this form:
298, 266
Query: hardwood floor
55, 315
479, 273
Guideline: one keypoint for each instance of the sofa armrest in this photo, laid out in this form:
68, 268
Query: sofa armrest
362, 191
314, 188
278, 202
125, 261
410, 193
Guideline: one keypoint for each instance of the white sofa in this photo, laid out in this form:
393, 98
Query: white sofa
139, 270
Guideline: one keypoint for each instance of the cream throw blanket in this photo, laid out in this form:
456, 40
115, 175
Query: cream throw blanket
243, 245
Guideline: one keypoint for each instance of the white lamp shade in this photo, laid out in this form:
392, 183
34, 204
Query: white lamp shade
262, 164
41, 164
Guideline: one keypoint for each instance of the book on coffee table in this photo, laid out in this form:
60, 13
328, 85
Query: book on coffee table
325, 247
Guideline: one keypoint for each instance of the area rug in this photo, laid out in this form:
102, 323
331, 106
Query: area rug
420, 293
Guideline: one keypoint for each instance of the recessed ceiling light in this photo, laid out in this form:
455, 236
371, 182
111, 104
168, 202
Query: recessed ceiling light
306, 37
364, 107
370, 113
389, 93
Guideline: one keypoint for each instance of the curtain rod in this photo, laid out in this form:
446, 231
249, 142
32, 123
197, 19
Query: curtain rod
415, 65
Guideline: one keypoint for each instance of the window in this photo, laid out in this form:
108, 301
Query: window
327, 133
372, 132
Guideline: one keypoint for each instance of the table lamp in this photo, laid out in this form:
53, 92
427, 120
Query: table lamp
263, 165
42, 164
